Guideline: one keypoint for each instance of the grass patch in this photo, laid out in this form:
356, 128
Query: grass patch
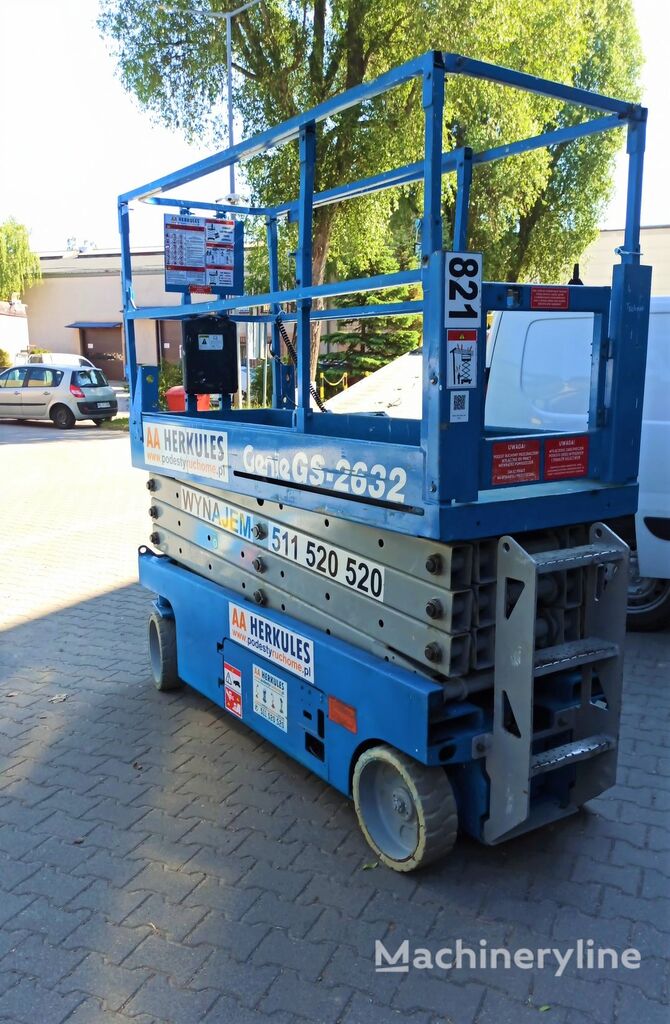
120, 423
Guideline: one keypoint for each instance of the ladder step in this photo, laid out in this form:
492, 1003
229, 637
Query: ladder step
570, 753
573, 654
576, 558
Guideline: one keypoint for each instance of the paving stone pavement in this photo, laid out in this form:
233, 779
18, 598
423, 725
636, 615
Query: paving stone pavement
161, 863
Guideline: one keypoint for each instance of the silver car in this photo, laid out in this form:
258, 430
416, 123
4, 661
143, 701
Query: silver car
62, 394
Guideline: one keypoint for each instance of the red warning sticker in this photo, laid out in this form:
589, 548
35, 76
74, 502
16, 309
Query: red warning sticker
566, 456
515, 462
199, 289
550, 297
232, 683
461, 335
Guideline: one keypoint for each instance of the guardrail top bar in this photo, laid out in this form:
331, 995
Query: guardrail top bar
453, 63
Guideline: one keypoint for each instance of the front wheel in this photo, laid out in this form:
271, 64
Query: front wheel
163, 653
406, 811
648, 599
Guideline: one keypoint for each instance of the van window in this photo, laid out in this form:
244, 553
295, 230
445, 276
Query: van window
657, 379
556, 364
90, 379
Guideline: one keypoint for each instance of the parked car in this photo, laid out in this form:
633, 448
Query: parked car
53, 359
539, 377
63, 394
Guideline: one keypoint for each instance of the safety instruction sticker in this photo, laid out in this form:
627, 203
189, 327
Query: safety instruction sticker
461, 359
276, 643
270, 698
515, 462
549, 297
232, 689
459, 406
199, 252
200, 451
565, 457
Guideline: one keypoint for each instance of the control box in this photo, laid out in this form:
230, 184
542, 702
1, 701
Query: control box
209, 355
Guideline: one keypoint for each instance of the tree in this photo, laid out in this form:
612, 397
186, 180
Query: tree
532, 215
374, 342
19, 266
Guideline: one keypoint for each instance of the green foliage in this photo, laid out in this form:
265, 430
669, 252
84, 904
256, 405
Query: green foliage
5, 360
532, 215
169, 376
371, 343
257, 385
19, 266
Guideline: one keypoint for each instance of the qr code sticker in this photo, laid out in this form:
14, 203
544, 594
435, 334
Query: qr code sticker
459, 410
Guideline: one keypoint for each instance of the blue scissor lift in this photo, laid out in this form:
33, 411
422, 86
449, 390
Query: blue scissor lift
427, 613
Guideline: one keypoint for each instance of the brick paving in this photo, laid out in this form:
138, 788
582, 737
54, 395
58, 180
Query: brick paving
160, 863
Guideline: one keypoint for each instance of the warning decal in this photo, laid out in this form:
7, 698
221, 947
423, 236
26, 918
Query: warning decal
566, 456
550, 297
232, 689
461, 359
270, 698
515, 462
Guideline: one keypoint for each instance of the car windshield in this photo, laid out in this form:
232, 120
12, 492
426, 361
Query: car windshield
90, 379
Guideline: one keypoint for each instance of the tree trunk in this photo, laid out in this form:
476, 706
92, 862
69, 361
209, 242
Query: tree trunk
323, 222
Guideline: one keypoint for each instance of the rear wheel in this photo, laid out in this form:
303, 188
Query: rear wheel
648, 599
63, 417
163, 653
406, 811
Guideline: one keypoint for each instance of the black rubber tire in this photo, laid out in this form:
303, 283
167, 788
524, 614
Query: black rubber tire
163, 653
649, 620
98, 423
63, 417
648, 599
434, 804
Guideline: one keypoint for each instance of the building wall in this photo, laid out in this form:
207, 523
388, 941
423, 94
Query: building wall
66, 297
596, 263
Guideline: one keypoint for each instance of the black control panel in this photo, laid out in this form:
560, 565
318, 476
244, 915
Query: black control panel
209, 355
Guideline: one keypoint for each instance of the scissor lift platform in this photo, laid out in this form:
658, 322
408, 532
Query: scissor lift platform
426, 612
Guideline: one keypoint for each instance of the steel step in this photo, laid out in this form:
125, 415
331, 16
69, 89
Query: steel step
576, 558
570, 753
573, 654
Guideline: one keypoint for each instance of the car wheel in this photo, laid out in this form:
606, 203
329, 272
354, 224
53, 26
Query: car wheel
63, 417
648, 600
98, 423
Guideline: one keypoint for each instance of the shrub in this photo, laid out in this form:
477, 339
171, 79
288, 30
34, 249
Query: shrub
169, 376
5, 361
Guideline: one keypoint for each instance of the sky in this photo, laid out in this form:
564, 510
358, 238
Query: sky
73, 139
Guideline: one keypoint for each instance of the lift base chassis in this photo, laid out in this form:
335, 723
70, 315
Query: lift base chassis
523, 742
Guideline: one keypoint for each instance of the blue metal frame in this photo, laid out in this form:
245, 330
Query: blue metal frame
447, 491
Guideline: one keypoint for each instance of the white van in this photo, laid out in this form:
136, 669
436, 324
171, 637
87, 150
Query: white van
539, 377
55, 358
